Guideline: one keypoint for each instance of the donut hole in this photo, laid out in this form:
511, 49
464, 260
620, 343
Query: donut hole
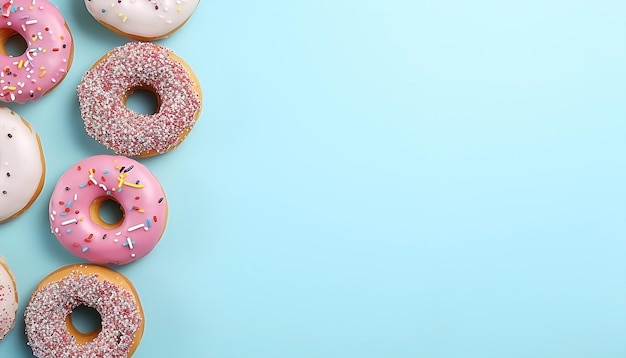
143, 100
12, 44
84, 323
107, 212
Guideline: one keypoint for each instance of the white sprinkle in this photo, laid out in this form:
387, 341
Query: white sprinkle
67, 222
130, 243
133, 228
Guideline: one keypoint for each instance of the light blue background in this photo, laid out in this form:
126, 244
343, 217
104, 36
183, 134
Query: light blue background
374, 178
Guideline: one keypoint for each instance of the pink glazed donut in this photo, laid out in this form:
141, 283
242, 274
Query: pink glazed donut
77, 199
49, 49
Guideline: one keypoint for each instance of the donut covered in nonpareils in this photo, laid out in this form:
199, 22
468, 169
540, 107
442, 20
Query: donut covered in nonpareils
104, 89
49, 328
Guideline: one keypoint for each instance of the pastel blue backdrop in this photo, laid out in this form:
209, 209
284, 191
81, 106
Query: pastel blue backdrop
374, 178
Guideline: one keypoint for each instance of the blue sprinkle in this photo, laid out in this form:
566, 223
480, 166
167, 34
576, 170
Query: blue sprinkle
125, 243
68, 231
106, 171
85, 249
148, 223
82, 185
69, 204
108, 192
63, 214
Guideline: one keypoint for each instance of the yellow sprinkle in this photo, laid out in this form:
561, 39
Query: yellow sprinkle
42, 74
133, 185
178, 10
20, 64
42, 68
39, 89
124, 19
43, 50
11, 88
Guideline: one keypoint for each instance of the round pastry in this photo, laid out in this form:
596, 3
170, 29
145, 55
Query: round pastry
8, 299
49, 328
104, 89
49, 49
76, 210
145, 20
22, 165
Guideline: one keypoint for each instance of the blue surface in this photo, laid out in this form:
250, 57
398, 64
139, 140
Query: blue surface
377, 178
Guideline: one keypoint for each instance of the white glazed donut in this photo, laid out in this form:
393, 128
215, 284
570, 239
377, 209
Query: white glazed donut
22, 165
144, 20
8, 299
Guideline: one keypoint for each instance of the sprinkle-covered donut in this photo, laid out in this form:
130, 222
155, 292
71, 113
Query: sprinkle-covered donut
8, 299
76, 202
104, 88
22, 165
49, 328
49, 49
143, 20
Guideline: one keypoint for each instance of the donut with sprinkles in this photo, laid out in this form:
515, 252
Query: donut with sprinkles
142, 20
49, 328
104, 89
8, 299
79, 200
48, 54
22, 165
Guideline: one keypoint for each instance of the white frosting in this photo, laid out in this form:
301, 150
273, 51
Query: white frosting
146, 19
22, 165
8, 300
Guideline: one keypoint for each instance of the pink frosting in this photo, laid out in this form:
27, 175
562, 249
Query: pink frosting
48, 55
108, 177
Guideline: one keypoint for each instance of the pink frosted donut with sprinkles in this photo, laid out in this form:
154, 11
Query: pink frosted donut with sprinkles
76, 210
49, 49
104, 89
142, 20
50, 331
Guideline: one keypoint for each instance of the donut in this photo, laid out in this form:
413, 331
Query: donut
22, 165
8, 299
79, 195
145, 20
104, 89
49, 49
49, 328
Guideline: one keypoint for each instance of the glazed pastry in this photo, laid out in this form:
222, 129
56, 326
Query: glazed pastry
22, 165
145, 20
8, 299
49, 49
79, 194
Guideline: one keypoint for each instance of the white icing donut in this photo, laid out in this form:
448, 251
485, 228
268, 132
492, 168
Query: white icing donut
143, 20
8, 299
22, 165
